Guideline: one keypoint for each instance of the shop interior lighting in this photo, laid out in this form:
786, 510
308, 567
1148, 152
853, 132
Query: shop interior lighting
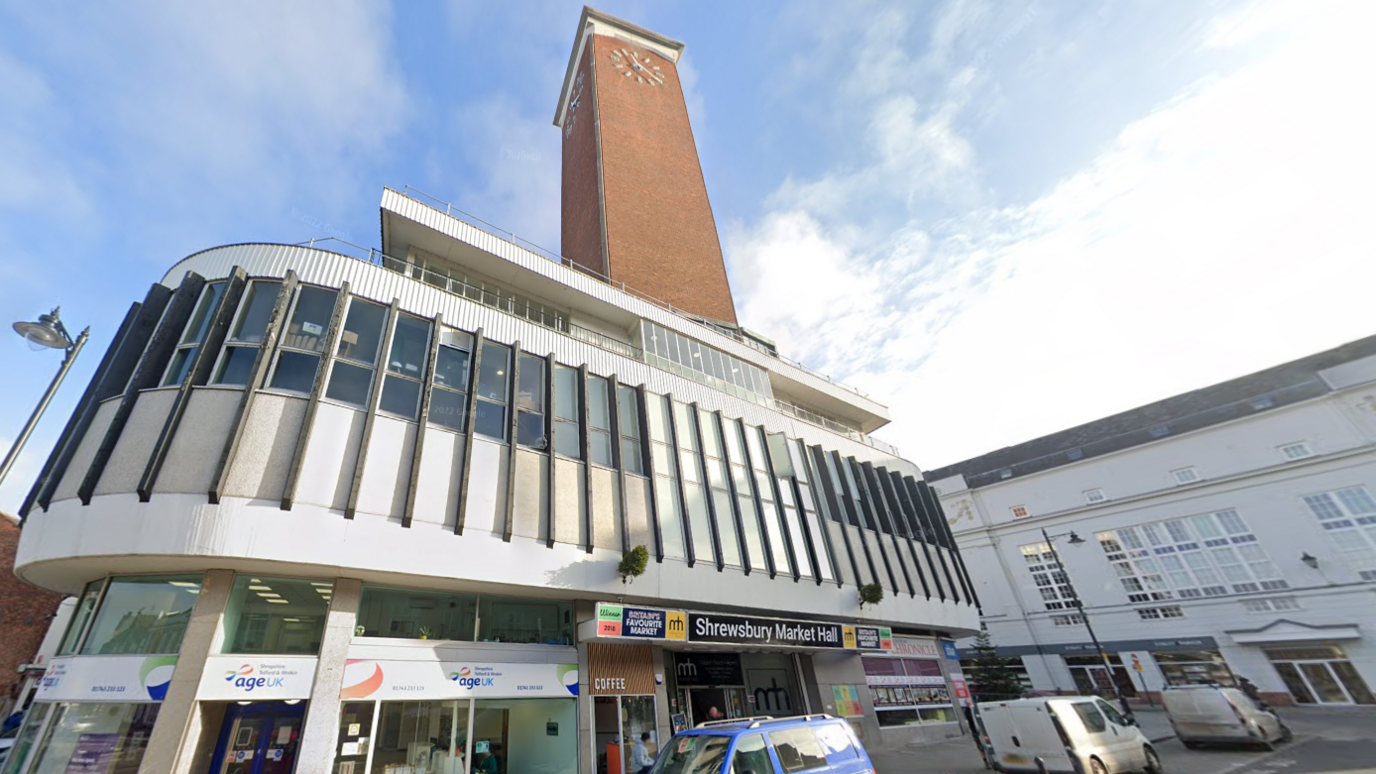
277, 601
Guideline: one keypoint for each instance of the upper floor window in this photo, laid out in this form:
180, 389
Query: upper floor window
1049, 577
415, 614
568, 439
276, 615
530, 402
690, 358
493, 380
142, 614
628, 423
1349, 517
599, 421
298, 357
1185, 475
351, 379
534, 621
405, 367
1295, 451
1020, 511
194, 334
247, 332
1095, 495
449, 398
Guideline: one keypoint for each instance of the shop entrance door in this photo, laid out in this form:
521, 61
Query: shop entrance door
619, 722
1320, 675
729, 701
259, 738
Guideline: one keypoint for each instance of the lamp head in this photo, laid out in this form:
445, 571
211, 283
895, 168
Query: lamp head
1311, 561
1075, 539
48, 332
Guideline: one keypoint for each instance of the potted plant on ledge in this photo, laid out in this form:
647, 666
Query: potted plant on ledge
633, 563
871, 594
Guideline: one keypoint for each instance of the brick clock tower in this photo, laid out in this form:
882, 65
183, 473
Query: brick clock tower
635, 205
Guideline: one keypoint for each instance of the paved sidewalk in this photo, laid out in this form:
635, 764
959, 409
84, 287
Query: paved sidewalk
959, 756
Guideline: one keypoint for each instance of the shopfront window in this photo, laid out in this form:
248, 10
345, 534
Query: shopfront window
421, 736
535, 621
117, 733
276, 615
81, 614
23, 741
1194, 667
413, 614
143, 615
355, 737
512, 736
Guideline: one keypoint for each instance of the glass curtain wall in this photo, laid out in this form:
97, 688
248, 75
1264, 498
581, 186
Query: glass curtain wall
694, 490
784, 473
664, 460
719, 487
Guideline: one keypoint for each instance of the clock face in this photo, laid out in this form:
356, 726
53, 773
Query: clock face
575, 99
633, 65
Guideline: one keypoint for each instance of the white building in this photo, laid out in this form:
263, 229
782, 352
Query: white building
1229, 532
364, 513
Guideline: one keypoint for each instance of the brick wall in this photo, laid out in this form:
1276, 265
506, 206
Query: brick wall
25, 612
661, 238
580, 223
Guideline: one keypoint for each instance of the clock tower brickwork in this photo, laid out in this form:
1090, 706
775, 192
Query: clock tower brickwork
635, 205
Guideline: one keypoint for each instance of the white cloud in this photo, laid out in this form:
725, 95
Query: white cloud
1223, 232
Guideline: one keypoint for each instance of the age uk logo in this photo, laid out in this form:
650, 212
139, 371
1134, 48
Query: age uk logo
241, 678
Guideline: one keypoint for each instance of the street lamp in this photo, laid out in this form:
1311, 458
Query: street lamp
1076, 540
47, 333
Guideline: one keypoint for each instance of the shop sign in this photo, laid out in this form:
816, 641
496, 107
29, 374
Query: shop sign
378, 679
847, 699
620, 669
608, 620
107, 678
873, 638
643, 622
748, 630
949, 649
708, 669
907, 646
900, 680
962, 691
240, 678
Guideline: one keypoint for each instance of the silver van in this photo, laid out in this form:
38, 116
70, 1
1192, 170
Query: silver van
1071, 734
1207, 714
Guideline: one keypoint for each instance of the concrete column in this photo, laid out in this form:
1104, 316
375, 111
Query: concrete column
318, 736
179, 727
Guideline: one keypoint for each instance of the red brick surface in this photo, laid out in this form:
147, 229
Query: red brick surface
25, 612
581, 215
661, 238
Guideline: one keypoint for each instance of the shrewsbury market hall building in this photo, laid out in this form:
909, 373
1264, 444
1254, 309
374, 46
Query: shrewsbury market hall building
378, 511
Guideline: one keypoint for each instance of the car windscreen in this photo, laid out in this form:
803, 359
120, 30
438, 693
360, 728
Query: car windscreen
698, 754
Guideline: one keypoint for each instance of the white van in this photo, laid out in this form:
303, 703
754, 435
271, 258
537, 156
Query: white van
1070, 734
1206, 714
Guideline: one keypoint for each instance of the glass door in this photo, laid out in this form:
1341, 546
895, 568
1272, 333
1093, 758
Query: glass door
637, 717
1324, 683
242, 744
279, 748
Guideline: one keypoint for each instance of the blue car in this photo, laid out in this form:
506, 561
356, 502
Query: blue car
764, 745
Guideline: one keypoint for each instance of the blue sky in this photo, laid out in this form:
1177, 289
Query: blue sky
1000, 218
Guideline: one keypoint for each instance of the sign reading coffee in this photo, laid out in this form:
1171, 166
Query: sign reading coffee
746, 630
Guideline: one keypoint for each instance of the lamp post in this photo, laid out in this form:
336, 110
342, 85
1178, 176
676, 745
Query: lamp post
1076, 540
47, 333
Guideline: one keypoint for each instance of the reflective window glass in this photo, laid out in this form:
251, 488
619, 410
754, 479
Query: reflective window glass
143, 614
254, 312
415, 614
490, 420
447, 409
410, 342
85, 605
400, 397
531, 621
451, 368
236, 365
492, 373
350, 384
362, 331
310, 320
276, 615
295, 372
530, 390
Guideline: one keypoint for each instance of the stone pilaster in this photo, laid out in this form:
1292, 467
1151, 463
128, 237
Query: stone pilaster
316, 754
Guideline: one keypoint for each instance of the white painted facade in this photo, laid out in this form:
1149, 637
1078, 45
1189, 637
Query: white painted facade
128, 496
1315, 589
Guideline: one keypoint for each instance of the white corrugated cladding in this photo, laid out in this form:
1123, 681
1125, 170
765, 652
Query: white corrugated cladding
321, 267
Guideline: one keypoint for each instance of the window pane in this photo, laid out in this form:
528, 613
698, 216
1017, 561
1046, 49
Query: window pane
711, 434
80, 615
362, 331
566, 392
530, 430
400, 396
310, 320
237, 363
143, 615
599, 411
409, 343
181, 363
671, 528
350, 384
492, 372
533, 621
276, 615
751, 755
657, 414
254, 312
629, 411
750, 521
600, 447
490, 420
409, 614
726, 527
530, 390
200, 320
798, 749
93, 732
447, 408
451, 368
295, 372
696, 497
566, 440
631, 460
684, 424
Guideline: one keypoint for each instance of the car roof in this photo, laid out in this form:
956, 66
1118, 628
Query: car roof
738, 726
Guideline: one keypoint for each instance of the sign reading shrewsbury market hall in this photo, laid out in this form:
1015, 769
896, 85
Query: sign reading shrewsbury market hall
644, 623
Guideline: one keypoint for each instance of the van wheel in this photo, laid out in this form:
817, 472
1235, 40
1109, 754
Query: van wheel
1097, 766
1285, 733
1153, 761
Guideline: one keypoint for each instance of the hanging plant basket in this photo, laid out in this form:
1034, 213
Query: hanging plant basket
633, 564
